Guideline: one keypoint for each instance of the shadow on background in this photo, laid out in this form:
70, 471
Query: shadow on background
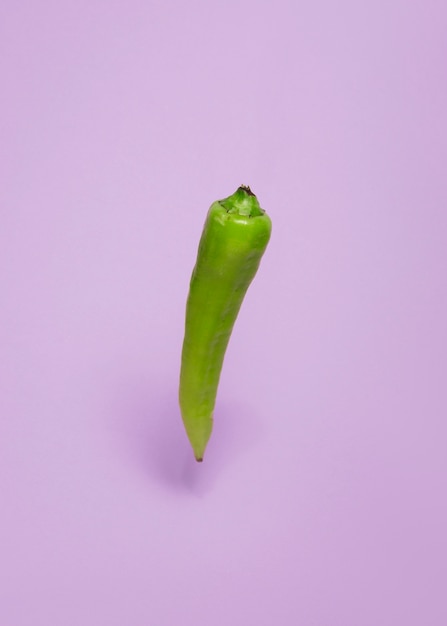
150, 431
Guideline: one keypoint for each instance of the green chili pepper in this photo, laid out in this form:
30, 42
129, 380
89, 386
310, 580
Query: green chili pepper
234, 238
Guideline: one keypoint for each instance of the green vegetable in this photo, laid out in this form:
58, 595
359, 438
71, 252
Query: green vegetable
234, 238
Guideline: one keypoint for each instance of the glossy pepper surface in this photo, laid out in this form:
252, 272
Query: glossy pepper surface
234, 238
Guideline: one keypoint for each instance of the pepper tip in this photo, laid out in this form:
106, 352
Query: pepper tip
247, 190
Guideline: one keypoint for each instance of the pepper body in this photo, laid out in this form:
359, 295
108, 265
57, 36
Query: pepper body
234, 238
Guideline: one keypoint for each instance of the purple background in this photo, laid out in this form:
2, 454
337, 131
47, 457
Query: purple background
322, 498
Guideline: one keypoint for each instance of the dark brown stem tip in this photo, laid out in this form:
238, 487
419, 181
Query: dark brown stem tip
247, 190
199, 460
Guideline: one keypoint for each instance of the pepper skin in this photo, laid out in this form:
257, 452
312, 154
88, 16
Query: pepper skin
234, 238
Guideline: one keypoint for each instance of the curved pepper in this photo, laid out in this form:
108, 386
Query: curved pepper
234, 238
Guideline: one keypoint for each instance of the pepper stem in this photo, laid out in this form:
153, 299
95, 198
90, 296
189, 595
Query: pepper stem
242, 202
